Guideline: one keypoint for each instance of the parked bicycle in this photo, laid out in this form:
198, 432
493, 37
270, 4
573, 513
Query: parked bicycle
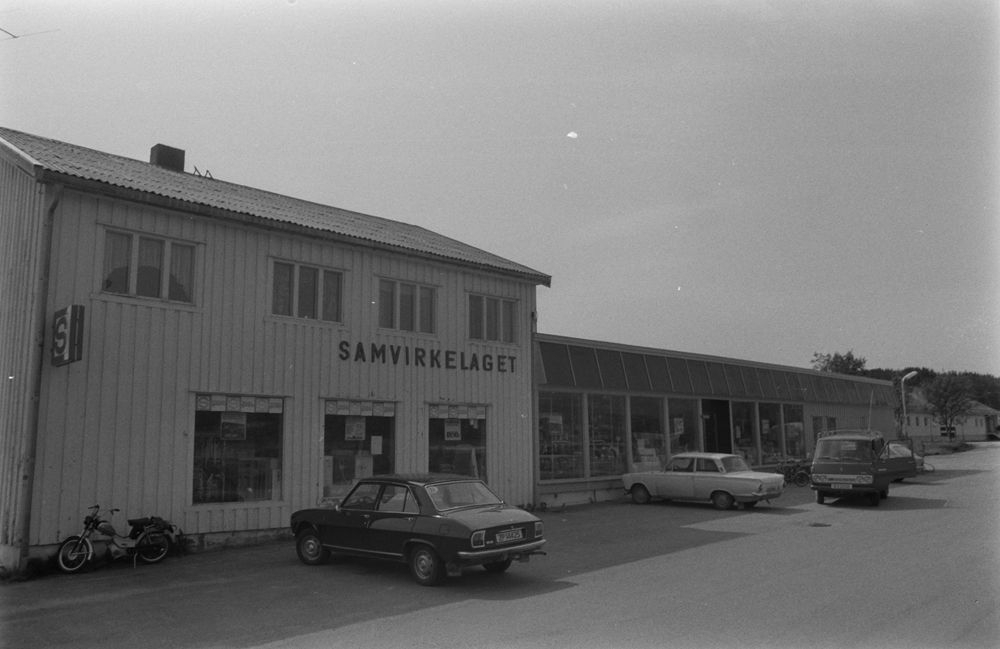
149, 540
796, 471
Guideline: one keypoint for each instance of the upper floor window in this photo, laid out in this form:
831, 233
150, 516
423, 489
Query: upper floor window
493, 319
407, 307
307, 292
148, 266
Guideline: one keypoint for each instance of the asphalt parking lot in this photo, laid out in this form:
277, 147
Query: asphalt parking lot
577, 537
251, 595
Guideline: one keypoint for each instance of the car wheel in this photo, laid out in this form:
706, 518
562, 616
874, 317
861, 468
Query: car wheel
497, 566
722, 500
309, 548
426, 566
640, 495
820, 498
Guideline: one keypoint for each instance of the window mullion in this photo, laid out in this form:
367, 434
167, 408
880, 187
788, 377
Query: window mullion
133, 266
165, 270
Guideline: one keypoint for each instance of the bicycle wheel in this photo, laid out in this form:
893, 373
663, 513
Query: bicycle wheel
152, 547
74, 553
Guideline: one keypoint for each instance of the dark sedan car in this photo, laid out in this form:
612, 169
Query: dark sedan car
436, 524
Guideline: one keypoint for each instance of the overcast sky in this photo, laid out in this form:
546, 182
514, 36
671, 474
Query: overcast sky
755, 179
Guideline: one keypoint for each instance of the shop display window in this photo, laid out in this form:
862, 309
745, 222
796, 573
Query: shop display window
649, 444
458, 445
794, 431
607, 434
743, 433
683, 418
772, 450
237, 453
354, 447
560, 435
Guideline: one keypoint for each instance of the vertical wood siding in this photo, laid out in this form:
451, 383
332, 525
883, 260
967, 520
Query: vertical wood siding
22, 216
118, 427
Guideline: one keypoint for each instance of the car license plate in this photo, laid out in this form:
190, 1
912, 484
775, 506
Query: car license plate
841, 485
510, 535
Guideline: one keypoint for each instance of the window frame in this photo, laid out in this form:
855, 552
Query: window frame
259, 439
171, 265
492, 319
407, 306
295, 305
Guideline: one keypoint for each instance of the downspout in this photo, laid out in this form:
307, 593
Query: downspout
38, 363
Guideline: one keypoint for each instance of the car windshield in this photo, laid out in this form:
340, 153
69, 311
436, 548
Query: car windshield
453, 495
734, 464
844, 449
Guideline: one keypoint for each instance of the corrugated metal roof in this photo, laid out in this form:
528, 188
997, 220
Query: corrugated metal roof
72, 161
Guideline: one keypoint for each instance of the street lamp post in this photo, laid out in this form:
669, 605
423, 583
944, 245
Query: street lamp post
902, 394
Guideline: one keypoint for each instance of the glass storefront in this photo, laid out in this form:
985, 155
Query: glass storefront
743, 431
560, 435
355, 447
771, 447
607, 434
237, 449
683, 414
457, 440
358, 442
649, 444
794, 428
652, 429
457, 446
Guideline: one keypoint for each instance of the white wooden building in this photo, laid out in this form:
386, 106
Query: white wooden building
220, 356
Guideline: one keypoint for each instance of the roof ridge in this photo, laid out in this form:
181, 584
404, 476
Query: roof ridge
89, 164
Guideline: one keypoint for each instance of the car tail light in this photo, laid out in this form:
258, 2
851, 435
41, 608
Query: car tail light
479, 539
538, 529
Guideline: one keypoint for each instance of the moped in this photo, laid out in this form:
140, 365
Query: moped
149, 540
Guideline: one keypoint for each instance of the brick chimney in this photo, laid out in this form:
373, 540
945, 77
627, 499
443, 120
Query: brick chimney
167, 157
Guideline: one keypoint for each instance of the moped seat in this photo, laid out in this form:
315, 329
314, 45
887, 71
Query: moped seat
140, 522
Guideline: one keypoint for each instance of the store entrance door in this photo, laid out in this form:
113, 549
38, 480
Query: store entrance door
716, 426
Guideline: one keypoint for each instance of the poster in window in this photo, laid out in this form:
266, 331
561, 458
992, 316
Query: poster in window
376, 445
233, 426
678, 425
354, 429
452, 430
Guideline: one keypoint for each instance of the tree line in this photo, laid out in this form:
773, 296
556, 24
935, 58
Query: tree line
949, 395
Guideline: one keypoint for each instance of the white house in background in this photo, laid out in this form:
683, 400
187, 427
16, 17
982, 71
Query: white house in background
923, 427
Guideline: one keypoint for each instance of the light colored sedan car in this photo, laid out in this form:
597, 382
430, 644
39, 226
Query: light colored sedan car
720, 478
